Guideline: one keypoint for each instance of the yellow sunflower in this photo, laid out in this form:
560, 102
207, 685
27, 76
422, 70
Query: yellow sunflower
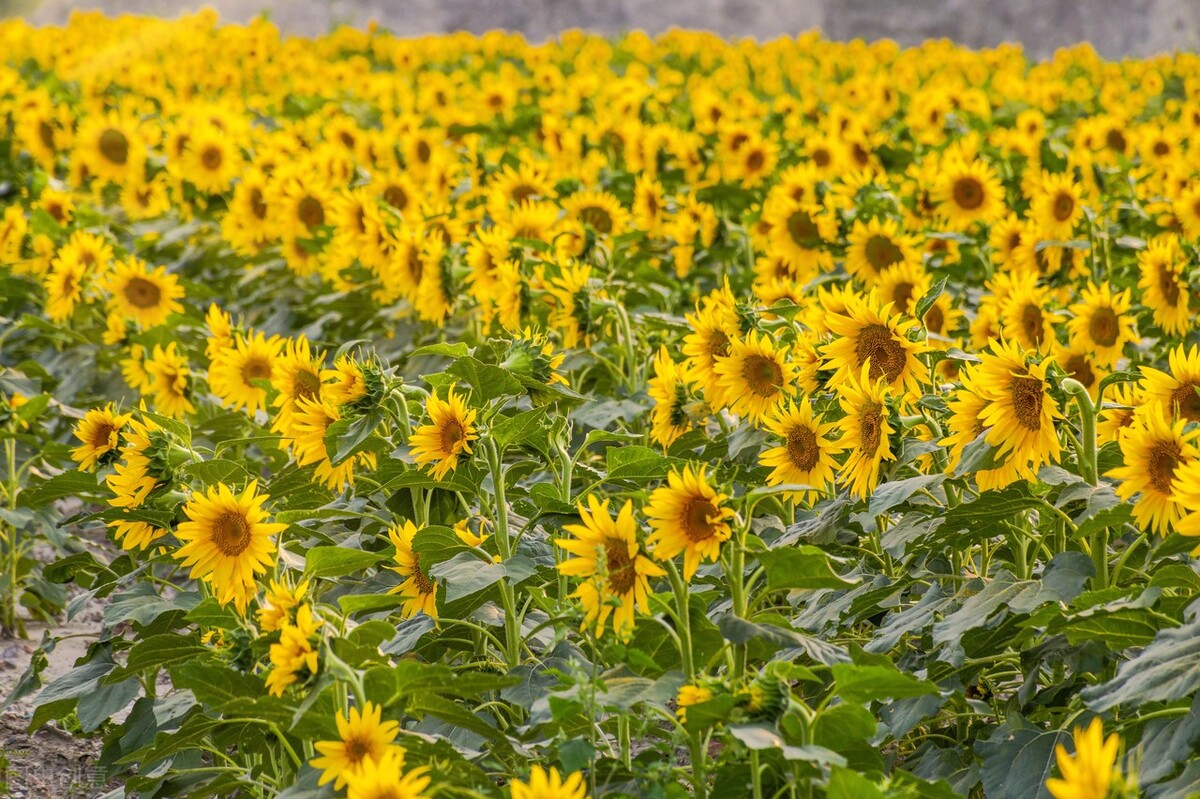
99, 430
168, 372
669, 418
1175, 391
1058, 206
878, 245
965, 425
361, 735
1027, 316
384, 778
294, 657
280, 603
902, 285
1117, 413
800, 233
1102, 323
599, 211
310, 424
714, 327
865, 430
111, 148
549, 784
688, 515
418, 591
870, 336
227, 541
234, 370
1155, 450
1164, 288
807, 454
969, 192
1090, 772
446, 437
64, 288
614, 571
296, 375
1020, 414
755, 376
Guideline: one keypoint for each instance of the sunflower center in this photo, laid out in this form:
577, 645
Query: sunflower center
357, 749
802, 229
597, 218
622, 576
422, 581
1103, 327
934, 319
46, 134
231, 533
869, 431
258, 205
1078, 367
902, 295
311, 212
396, 197
256, 368
1031, 323
1064, 206
802, 448
522, 192
453, 434
763, 375
882, 252
424, 152
697, 516
1160, 464
114, 146
211, 158
307, 385
103, 435
1115, 140
1027, 398
886, 354
143, 293
718, 345
822, 157
1168, 284
968, 193
1187, 401
755, 161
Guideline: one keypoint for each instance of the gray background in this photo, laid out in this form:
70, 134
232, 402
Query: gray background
1116, 27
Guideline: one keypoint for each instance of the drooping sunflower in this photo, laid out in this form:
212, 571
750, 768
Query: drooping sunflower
280, 603
870, 335
447, 436
877, 245
669, 418
227, 541
549, 784
384, 778
361, 735
1102, 323
1117, 412
865, 430
168, 372
1058, 206
1020, 414
310, 424
756, 376
1164, 288
1155, 450
234, 369
1090, 772
807, 454
99, 430
64, 288
147, 296
1175, 391
295, 656
688, 515
969, 192
419, 592
615, 573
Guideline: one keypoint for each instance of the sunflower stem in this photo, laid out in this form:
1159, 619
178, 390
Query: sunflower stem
512, 624
685, 622
1088, 463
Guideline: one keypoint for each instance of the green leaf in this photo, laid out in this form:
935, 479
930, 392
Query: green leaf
68, 484
804, 567
332, 561
217, 470
523, 428
488, 380
465, 574
760, 737
897, 492
845, 784
349, 436
868, 683
638, 463
159, 651
979, 456
1017, 759
929, 298
1162, 672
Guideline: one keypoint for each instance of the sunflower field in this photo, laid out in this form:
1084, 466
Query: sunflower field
643, 417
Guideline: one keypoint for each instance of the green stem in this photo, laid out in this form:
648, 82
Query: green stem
685, 623
1088, 464
512, 624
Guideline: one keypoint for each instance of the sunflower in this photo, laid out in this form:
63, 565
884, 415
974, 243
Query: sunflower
549, 784
296, 376
806, 456
969, 192
64, 288
1187, 210
147, 296
1081, 364
1020, 413
690, 695
446, 437
870, 336
1005, 240
111, 148
1117, 414
1175, 391
99, 430
649, 206
418, 591
1026, 314
599, 211
755, 376
615, 572
877, 245
1164, 288
362, 735
211, 159
1057, 207
965, 425
383, 778
295, 656
310, 424
1101, 323
168, 372
1155, 451
280, 603
688, 515
132, 479
572, 314
714, 327
865, 430
1091, 771
345, 383
227, 541
669, 418
902, 285
234, 370
800, 233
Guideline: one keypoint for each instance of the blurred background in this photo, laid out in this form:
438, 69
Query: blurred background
1115, 27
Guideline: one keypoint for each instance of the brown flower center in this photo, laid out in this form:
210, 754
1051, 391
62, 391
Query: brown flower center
211, 158
934, 319
755, 161
622, 576
1115, 140
310, 212
596, 218
420, 579
424, 152
1031, 323
822, 157
1064, 206
1160, 463
1186, 401
256, 368
258, 205
1078, 367
453, 434
802, 448
1027, 398
698, 517
968, 193
307, 385
103, 435
231, 533
357, 749
396, 197
902, 295
882, 252
114, 146
1104, 327
142, 293
762, 375
1168, 284
802, 229
869, 429
46, 134
886, 354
